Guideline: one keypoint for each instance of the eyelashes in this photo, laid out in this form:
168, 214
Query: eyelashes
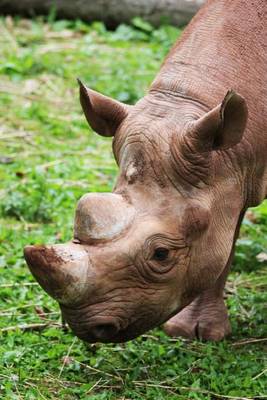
159, 246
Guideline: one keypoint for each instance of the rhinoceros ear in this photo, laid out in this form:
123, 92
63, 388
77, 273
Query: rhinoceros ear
103, 114
223, 126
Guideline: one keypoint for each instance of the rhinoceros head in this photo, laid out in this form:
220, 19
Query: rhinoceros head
143, 252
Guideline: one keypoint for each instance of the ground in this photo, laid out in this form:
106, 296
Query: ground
48, 159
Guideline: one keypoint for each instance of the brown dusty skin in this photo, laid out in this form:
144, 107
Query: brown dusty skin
61, 270
43, 263
42, 256
193, 157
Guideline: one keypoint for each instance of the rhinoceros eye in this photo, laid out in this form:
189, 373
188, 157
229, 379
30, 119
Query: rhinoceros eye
160, 254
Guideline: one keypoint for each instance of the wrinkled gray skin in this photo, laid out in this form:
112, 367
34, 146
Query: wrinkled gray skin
192, 158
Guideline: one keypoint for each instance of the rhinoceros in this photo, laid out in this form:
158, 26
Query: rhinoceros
192, 157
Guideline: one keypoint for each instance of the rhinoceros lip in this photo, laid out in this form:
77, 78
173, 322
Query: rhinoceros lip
134, 330
129, 332
122, 336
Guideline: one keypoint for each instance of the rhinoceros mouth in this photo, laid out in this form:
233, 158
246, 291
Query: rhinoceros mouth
109, 329
121, 336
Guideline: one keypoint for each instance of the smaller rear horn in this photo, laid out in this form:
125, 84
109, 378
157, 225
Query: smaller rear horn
102, 216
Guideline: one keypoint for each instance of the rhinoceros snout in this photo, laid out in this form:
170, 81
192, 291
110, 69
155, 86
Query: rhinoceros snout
103, 332
62, 270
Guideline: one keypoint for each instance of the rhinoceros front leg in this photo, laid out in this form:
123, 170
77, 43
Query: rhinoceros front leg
206, 317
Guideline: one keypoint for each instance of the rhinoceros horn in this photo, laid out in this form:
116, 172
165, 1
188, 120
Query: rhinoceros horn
64, 270
101, 216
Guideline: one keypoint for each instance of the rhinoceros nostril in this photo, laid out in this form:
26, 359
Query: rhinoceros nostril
104, 331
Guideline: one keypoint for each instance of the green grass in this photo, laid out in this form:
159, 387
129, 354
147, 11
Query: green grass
48, 159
